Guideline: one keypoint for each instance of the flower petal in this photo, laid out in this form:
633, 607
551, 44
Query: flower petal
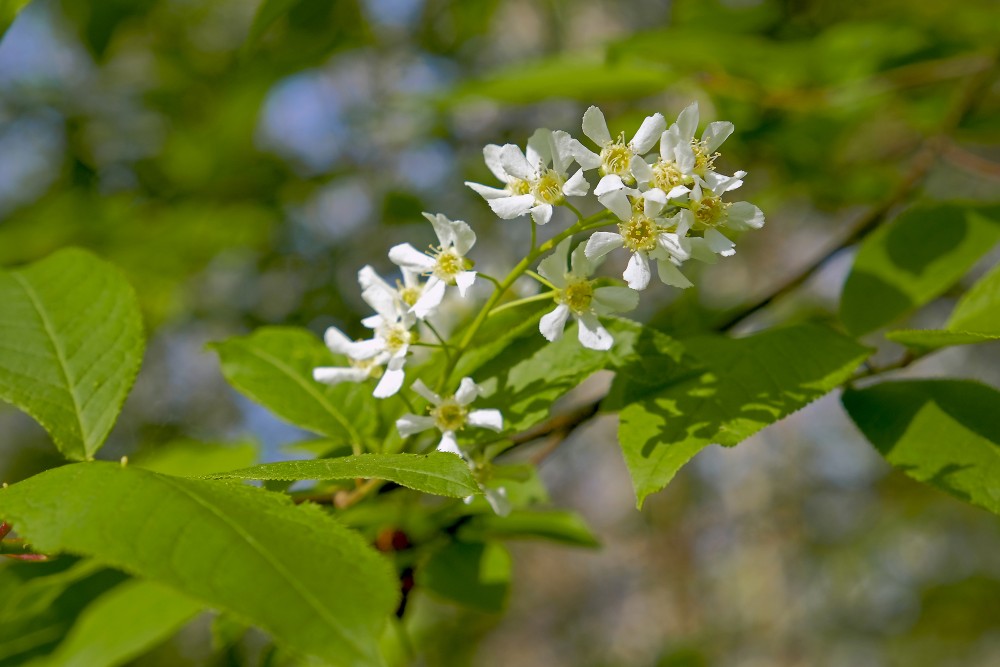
609, 183
332, 375
515, 163
687, 122
616, 299
553, 267
512, 207
601, 243
539, 148
562, 151
486, 192
491, 419
430, 298
467, 392
552, 324
464, 281
580, 265
744, 215
719, 243
595, 126
586, 158
617, 202
715, 134
337, 341
591, 334
577, 185
542, 213
409, 424
491, 153
389, 384
671, 275
647, 134
448, 444
641, 169
424, 391
637, 272
409, 257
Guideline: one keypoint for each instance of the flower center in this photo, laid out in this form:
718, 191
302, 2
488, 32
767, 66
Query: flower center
449, 416
616, 158
371, 366
703, 160
408, 295
577, 294
448, 264
517, 186
548, 188
639, 233
708, 212
396, 337
666, 175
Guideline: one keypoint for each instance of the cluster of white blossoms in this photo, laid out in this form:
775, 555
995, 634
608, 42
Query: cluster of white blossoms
659, 191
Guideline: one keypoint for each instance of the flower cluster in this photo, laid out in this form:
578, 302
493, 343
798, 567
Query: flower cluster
659, 193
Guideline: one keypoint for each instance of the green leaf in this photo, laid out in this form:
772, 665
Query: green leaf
914, 259
942, 432
554, 525
122, 624
9, 9
267, 13
438, 473
292, 570
474, 574
722, 391
976, 319
71, 343
274, 367
190, 458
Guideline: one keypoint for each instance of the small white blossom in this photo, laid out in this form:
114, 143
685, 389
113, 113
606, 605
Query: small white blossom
404, 296
577, 296
643, 231
535, 179
449, 414
616, 157
361, 367
444, 265
705, 211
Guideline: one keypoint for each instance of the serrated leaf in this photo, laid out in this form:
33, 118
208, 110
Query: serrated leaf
292, 570
474, 574
71, 343
976, 319
914, 259
553, 525
942, 432
274, 367
122, 624
437, 473
723, 391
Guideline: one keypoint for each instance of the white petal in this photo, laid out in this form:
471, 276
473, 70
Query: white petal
577, 185
424, 391
562, 151
487, 192
409, 424
601, 243
491, 153
671, 275
553, 267
650, 130
512, 207
637, 272
382, 300
641, 169
515, 163
685, 220
669, 141
616, 299
467, 392
617, 202
497, 498
368, 277
448, 444
580, 265
542, 213
464, 281
430, 298
456, 233
409, 257
539, 149
337, 341
331, 375
701, 252
684, 157
365, 349
389, 384
609, 183
586, 158
592, 335
373, 321
653, 202
552, 324
744, 215
719, 183
715, 134
671, 245
595, 126
719, 243
491, 419
687, 122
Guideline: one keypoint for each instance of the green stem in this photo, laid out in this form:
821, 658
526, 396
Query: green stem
521, 302
540, 279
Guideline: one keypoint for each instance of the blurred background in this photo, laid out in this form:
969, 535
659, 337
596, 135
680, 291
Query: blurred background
241, 170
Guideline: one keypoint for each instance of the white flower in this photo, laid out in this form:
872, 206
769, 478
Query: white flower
403, 297
643, 231
361, 367
682, 157
706, 212
535, 179
449, 415
444, 265
616, 157
576, 295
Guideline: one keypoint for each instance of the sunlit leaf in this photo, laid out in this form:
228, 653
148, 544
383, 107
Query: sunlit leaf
71, 343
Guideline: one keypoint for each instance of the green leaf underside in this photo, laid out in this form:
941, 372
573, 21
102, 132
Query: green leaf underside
473, 574
976, 319
437, 473
71, 344
913, 260
274, 367
122, 624
553, 525
942, 432
292, 570
721, 391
